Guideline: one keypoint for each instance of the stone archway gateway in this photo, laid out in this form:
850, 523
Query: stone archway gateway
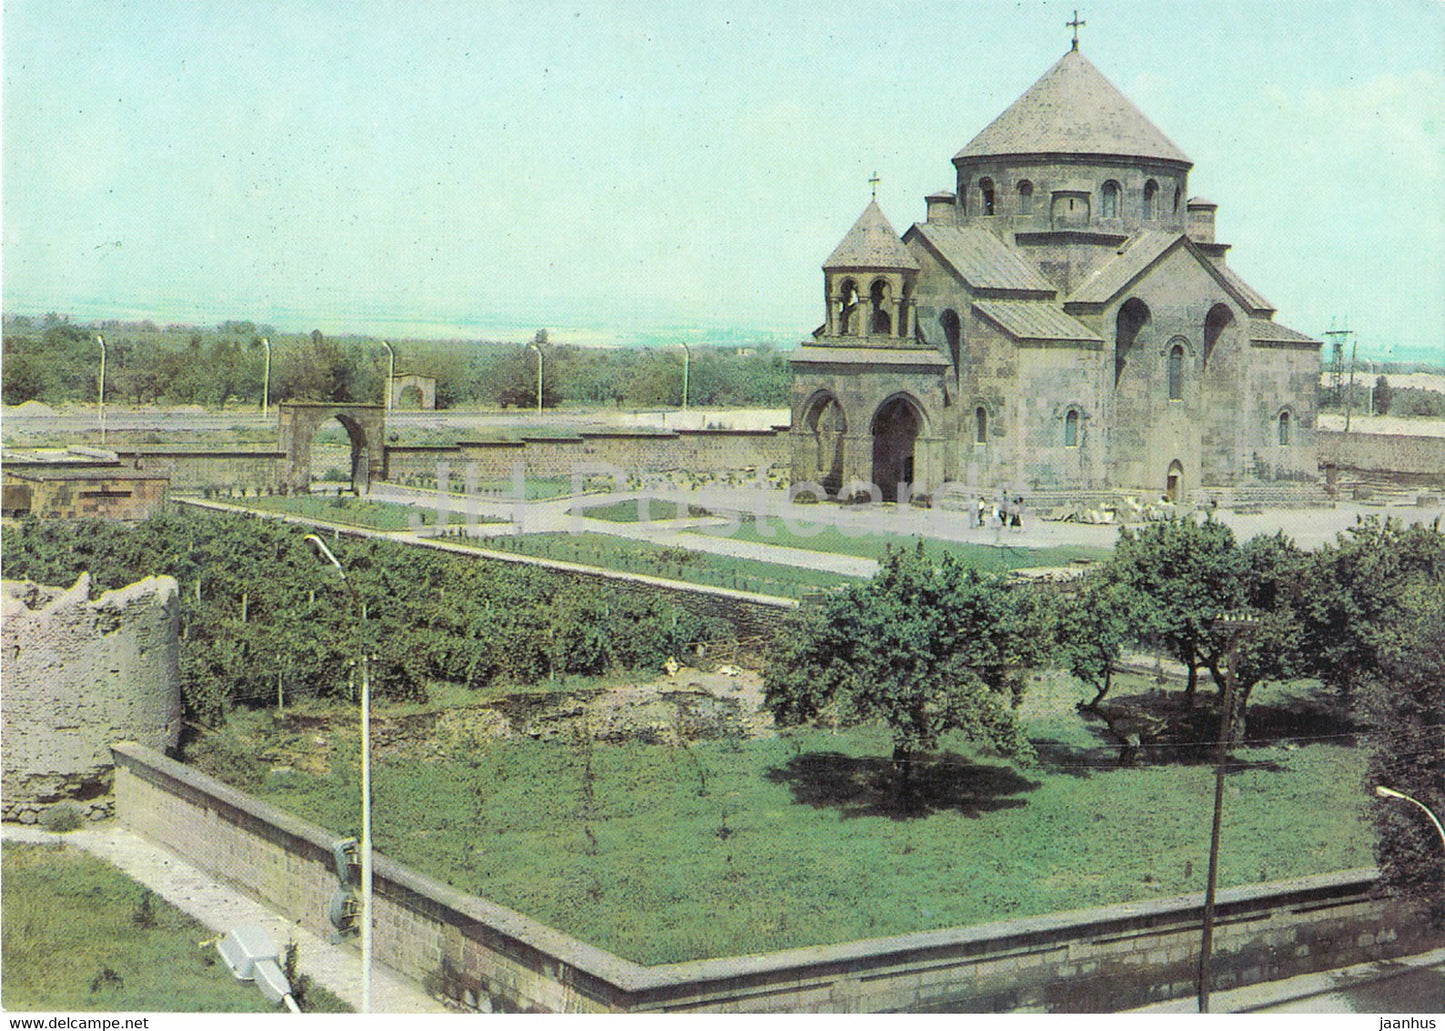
365, 426
896, 427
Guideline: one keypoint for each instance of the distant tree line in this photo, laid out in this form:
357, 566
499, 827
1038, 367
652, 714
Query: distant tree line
54, 360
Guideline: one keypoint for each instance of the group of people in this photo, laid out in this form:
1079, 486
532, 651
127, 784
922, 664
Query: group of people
1003, 511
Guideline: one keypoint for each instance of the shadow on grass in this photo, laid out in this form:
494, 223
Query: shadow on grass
1155, 728
868, 785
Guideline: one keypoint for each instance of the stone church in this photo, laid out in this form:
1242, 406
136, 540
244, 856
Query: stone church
1063, 321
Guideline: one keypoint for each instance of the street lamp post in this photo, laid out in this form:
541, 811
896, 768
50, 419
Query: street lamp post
100, 401
534, 347
686, 361
266, 379
1385, 792
318, 546
390, 373
1237, 625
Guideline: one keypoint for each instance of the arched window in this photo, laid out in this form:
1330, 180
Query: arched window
1151, 199
1284, 428
881, 322
1133, 317
1176, 373
980, 425
1071, 428
847, 307
985, 188
1215, 323
1177, 195
1026, 197
1109, 201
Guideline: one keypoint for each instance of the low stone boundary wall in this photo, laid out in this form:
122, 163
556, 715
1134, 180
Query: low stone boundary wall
1095, 960
629, 453
1406, 460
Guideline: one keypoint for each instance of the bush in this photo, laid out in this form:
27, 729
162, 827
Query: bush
62, 818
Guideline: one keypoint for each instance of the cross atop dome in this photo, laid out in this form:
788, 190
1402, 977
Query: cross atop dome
1075, 26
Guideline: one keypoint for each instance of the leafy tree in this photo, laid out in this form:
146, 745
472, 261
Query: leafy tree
1094, 628
1384, 395
1406, 704
1358, 595
926, 646
1185, 572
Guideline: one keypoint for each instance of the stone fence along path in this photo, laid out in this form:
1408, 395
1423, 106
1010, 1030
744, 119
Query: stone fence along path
484, 955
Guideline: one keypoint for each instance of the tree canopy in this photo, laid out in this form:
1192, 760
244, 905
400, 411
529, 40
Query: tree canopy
927, 646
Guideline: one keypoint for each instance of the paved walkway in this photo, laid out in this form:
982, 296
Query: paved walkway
335, 967
1326, 992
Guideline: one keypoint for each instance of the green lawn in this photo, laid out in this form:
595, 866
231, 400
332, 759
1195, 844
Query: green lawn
830, 539
352, 511
74, 939
665, 853
631, 511
631, 556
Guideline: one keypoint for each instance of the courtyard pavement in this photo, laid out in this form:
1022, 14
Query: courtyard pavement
220, 908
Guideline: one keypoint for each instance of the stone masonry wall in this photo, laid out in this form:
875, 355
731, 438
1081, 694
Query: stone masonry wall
1096, 960
79, 674
1419, 460
628, 454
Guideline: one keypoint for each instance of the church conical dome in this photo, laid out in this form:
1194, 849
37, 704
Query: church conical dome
1072, 109
872, 243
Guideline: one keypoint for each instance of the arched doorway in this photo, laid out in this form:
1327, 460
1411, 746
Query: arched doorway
896, 426
1174, 482
828, 426
365, 427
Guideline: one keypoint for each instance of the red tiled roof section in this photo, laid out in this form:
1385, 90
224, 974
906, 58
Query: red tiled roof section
1073, 109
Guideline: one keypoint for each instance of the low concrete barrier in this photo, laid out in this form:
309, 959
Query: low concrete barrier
1095, 960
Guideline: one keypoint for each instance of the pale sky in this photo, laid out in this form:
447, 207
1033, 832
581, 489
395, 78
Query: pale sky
423, 166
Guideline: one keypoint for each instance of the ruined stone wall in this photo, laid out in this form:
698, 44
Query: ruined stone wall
81, 673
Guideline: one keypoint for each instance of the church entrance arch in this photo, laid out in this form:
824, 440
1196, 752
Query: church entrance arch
1174, 482
896, 426
365, 427
828, 426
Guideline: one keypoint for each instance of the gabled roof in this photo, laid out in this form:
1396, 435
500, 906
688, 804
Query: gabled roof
1266, 331
1073, 109
1035, 321
1145, 250
1141, 252
871, 244
1251, 297
980, 259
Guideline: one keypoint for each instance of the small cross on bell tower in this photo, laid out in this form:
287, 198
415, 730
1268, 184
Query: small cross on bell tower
874, 183
1075, 26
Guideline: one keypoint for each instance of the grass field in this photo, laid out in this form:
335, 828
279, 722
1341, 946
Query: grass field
984, 557
80, 935
631, 556
664, 853
631, 511
351, 511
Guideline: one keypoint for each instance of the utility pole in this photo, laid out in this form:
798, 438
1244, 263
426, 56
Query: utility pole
390, 373
534, 347
1337, 360
1236, 625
